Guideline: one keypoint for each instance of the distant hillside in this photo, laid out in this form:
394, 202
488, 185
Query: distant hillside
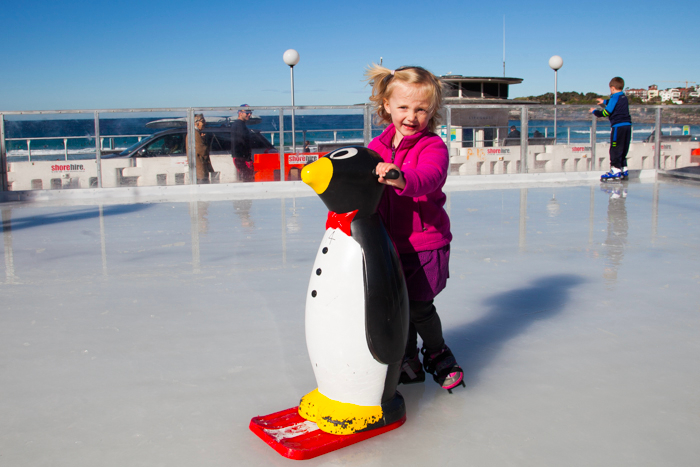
571, 98
576, 98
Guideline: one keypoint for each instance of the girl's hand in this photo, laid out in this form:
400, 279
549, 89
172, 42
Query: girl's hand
383, 168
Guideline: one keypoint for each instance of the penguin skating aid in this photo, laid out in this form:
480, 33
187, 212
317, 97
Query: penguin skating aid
356, 317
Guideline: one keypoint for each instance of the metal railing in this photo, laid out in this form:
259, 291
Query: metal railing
106, 138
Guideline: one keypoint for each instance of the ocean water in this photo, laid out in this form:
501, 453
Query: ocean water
72, 139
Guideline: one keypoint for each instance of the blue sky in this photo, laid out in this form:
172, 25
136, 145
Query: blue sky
128, 54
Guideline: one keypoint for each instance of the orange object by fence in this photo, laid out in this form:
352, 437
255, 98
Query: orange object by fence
695, 156
267, 166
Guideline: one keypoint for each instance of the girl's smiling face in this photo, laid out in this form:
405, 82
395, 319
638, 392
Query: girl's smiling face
408, 106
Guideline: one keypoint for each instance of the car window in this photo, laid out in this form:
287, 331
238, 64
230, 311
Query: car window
167, 145
130, 149
220, 142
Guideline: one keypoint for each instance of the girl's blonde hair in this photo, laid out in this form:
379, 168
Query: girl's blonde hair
383, 81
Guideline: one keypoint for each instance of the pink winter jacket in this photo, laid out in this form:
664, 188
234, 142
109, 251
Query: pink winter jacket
414, 217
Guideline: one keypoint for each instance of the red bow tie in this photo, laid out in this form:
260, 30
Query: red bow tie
340, 221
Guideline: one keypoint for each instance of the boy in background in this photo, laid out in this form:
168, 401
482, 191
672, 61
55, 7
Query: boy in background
617, 110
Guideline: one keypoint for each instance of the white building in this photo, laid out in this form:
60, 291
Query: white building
652, 92
673, 95
641, 93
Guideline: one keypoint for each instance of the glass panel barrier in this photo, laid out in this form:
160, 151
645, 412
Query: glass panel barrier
563, 144
679, 138
50, 151
143, 149
148, 147
241, 139
317, 131
326, 129
643, 123
641, 155
480, 139
576, 141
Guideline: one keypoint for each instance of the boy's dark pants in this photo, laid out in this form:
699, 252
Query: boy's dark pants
620, 138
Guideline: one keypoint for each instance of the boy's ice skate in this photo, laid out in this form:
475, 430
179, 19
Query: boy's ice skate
411, 370
443, 366
614, 175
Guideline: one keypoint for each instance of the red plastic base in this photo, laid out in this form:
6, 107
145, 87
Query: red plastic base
296, 438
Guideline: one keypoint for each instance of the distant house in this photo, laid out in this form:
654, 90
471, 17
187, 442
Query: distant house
640, 93
652, 92
673, 95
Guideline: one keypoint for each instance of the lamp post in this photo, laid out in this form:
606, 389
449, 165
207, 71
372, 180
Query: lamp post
555, 62
291, 58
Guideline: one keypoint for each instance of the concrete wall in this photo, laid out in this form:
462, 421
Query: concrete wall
147, 171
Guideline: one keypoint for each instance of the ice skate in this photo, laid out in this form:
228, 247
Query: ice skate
614, 175
444, 368
411, 370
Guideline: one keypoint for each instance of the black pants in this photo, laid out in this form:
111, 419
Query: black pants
426, 322
620, 138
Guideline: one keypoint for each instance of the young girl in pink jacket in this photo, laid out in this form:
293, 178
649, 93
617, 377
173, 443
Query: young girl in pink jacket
408, 100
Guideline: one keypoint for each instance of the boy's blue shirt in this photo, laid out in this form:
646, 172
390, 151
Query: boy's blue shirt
616, 109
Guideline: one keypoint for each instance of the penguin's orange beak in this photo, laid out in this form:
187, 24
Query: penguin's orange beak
318, 174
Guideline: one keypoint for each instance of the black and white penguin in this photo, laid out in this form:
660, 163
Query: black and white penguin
357, 303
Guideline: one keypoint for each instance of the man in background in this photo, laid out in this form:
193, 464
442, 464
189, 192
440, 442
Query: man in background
513, 138
240, 145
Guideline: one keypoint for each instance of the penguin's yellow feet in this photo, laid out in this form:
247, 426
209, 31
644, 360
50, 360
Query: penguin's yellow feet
308, 407
339, 418
342, 418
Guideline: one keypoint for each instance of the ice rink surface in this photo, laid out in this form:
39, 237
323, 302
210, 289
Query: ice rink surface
149, 334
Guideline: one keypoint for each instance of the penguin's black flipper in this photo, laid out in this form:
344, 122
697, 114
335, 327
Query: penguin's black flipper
386, 296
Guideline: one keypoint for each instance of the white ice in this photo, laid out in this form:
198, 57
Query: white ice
149, 334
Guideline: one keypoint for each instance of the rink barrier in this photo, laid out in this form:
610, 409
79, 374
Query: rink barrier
484, 157
167, 171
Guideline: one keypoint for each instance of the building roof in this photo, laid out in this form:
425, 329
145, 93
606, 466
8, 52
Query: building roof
479, 89
481, 79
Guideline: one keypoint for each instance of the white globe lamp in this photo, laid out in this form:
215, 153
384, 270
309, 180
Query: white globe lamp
555, 62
